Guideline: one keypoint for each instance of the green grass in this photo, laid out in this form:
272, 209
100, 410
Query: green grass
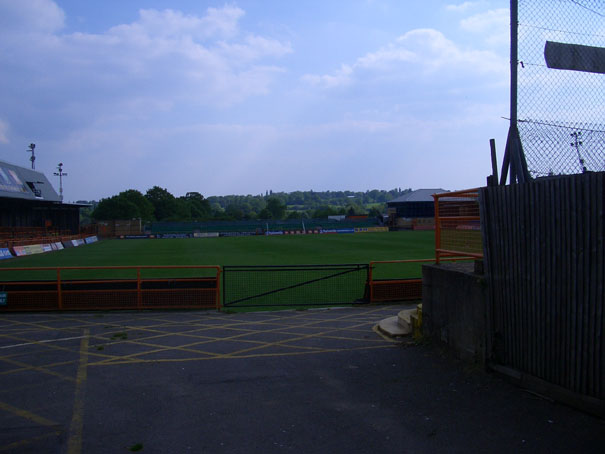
256, 250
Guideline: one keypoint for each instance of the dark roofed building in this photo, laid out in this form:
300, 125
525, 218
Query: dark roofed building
27, 199
415, 204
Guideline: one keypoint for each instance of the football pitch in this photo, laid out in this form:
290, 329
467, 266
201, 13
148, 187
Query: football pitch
254, 250
273, 272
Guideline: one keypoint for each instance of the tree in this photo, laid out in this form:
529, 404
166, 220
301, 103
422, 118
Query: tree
115, 207
276, 208
324, 211
145, 208
234, 211
264, 214
130, 204
199, 207
295, 215
374, 213
164, 203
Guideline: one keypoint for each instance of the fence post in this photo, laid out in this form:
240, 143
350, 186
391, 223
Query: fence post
437, 229
218, 288
370, 284
59, 293
139, 296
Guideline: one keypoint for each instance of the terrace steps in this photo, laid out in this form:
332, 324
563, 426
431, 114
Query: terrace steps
407, 322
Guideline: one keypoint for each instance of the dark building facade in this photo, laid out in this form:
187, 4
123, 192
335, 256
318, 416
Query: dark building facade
27, 199
415, 204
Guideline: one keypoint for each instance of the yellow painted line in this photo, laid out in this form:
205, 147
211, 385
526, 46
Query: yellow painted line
134, 357
229, 356
295, 339
44, 370
44, 341
260, 344
238, 354
206, 340
44, 327
21, 443
74, 443
54, 347
40, 420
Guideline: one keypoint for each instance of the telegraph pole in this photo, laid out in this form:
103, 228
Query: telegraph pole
60, 174
577, 143
32, 147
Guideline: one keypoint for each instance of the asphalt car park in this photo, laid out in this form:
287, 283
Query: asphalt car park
288, 381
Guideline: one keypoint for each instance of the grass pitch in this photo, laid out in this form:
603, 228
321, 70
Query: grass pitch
255, 250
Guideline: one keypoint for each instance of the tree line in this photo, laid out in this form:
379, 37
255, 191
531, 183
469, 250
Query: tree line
158, 204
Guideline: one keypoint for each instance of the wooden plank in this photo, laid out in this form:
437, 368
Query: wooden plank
498, 265
513, 323
584, 273
484, 216
509, 299
600, 313
585, 282
546, 265
593, 340
559, 295
567, 267
528, 228
552, 293
520, 334
546, 247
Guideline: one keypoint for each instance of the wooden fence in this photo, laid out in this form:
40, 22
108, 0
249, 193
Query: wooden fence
544, 253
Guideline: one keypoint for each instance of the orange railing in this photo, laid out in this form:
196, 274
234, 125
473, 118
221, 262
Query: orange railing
388, 287
24, 236
110, 287
458, 225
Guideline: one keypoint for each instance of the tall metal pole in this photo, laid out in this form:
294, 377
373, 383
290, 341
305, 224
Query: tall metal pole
31, 148
513, 155
60, 174
514, 59
514, 151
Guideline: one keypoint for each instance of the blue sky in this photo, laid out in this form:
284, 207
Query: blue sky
246, 96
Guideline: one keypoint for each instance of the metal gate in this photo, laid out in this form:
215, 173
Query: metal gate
294, 285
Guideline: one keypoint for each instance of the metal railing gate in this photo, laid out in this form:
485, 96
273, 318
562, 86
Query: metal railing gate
294, 285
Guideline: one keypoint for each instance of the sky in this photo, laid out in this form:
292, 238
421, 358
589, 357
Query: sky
254, 95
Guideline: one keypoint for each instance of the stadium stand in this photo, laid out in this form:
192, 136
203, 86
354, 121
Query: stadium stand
31, 211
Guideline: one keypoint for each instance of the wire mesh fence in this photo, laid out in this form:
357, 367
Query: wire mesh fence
561, 85
458, 225
294, 285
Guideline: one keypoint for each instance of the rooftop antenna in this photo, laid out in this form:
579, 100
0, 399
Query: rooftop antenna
32, 147
60, 174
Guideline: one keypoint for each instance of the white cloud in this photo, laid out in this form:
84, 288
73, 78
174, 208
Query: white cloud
420, 52
493, 24
340, 77
463, 7
222, 23
32, 16
3, 132
162, 59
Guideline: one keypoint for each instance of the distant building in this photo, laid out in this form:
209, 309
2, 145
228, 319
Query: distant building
27, 199
405, 211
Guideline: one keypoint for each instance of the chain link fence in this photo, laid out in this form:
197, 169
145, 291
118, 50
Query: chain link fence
561, 85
